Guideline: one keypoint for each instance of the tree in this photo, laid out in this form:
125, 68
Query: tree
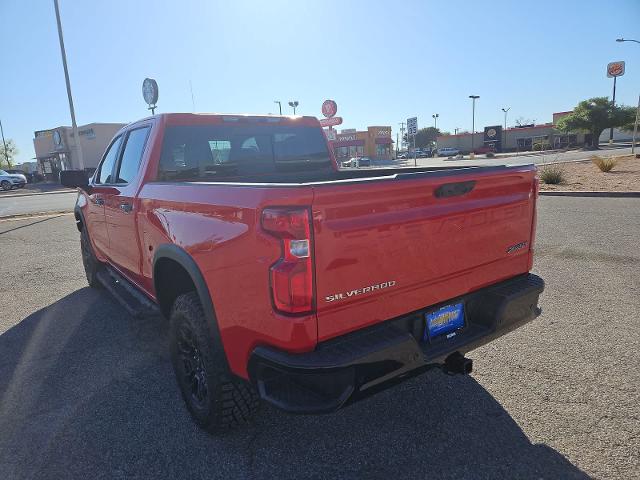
11, 152
520, 121
425, 137
594, 116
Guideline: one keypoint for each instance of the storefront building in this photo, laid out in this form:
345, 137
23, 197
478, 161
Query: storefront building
524, 138
375, 143
56, 149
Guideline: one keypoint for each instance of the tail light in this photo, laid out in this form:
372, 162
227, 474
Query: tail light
292, 275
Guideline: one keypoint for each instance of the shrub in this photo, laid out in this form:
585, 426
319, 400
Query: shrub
490, 155
605, 164
540, 146
552, 174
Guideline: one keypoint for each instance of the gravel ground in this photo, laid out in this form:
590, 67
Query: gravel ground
625, 177
88, 392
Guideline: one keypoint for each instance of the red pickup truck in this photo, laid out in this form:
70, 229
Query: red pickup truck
287, 279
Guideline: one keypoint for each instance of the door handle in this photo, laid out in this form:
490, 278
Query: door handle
126, 207
98, 201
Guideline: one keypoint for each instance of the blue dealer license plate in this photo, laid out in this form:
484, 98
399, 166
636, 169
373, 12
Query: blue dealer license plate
444, 320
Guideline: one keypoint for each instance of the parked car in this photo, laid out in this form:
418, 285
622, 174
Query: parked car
12, 180
403, 155
484, 149
15, 171
286, 279
448, 152
425, 153
357, 162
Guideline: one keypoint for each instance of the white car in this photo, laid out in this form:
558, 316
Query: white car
448, 152
12, 180
357, 162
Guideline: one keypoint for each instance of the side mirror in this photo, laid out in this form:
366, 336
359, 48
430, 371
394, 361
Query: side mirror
74, 178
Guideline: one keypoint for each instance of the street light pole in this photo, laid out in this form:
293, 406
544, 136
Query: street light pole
66, 78
505, 110
279, 105
626, 40
294, 104
435, 120
6, 154
635, 126
473, 121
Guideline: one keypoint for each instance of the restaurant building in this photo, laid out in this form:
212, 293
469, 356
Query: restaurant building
374, 142
57, 150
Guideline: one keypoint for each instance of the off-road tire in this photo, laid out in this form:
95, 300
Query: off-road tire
229, 401
91, 264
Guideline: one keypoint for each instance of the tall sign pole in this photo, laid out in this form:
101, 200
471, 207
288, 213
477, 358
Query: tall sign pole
412, 129
66, 78
615, 70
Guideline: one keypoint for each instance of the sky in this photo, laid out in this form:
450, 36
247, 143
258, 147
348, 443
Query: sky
381, 61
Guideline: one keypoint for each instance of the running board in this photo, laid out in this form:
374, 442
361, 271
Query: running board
127, 295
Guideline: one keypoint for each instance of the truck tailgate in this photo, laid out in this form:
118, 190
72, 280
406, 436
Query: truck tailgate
386, 247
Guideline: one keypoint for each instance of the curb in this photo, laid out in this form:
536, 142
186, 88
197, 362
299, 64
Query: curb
13, 195
20, 216
560, 193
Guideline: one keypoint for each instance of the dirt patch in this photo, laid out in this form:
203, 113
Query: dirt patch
584, 175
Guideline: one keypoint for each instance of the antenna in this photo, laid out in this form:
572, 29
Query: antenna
193, 102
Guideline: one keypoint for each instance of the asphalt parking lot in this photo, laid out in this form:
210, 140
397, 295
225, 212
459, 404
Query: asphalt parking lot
88, 392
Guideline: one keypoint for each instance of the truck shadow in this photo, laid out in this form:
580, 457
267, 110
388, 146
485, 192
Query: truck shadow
86, 391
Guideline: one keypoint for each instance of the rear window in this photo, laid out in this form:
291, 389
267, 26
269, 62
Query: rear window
235, 152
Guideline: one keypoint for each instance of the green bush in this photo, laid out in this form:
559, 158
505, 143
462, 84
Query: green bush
552, 174
490, 155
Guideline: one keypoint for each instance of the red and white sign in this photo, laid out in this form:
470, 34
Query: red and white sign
329, 108
330, 122
615, 69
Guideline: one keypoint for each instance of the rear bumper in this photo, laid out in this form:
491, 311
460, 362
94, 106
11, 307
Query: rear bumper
348, 368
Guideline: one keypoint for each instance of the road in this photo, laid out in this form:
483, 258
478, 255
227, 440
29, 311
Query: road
29, 204
20, 205
88, 392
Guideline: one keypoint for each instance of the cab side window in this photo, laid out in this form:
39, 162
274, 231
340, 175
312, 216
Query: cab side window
132, 155
106, 167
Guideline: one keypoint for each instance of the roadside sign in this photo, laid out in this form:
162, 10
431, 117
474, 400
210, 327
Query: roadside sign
330, 122
331, 134
412, 125
329, 108
615, 69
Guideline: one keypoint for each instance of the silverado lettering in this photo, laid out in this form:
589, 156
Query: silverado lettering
243, 231
359, 291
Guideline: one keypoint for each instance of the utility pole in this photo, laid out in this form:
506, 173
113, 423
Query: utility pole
6, 154
473, 121
397, 144
505, 110
402, 130
66, 78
